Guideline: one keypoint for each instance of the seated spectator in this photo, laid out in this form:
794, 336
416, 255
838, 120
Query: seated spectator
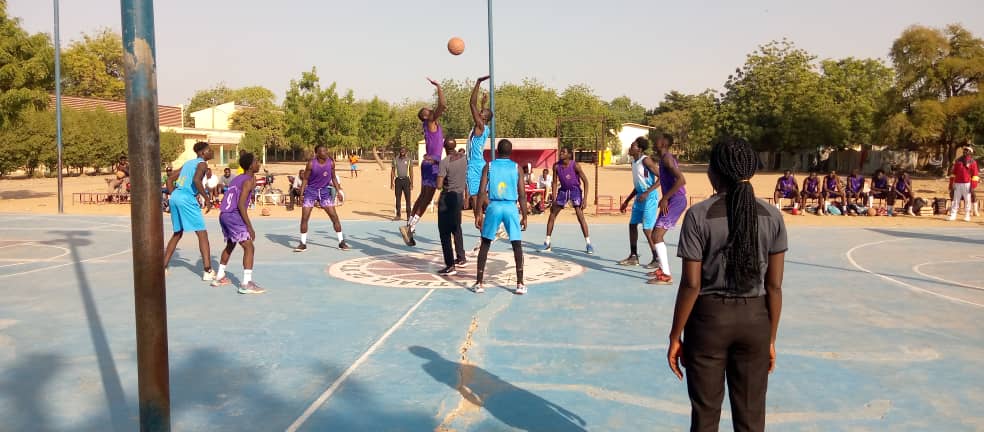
832, 188
854, 189
211, 183
903, 190
224, 180
880, 189
122, 173
786, 187
545, 180
811, 190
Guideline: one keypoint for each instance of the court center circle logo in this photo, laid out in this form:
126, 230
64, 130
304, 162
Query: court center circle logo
419, 270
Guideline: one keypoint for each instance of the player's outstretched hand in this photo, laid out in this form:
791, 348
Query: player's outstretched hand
437, 84
482, 78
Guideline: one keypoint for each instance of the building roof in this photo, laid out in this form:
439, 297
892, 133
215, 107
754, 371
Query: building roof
167, 115
637, 125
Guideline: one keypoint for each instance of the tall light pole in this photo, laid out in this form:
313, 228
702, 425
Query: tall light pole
147, 234
58, 109
491, 85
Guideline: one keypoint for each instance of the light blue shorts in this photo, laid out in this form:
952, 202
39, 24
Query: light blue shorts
502, 213
646, 212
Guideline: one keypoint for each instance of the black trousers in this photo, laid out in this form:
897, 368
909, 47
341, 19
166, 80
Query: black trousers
727, 339
449, 206
402, 188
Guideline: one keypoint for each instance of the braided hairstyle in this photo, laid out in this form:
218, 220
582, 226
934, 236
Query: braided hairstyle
734, 162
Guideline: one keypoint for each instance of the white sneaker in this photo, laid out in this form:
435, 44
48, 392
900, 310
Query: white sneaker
520, 289
952, 217
967, 218
209, 275
478, 288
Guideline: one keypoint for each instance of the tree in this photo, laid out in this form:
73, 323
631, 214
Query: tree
316, 115
859, 90
624, 110
937, 74
407, 129
93, 67
691, 119
252, 96
264, 125
26, 69
172, 145
30, 142
579, 100
376, 126
777, 102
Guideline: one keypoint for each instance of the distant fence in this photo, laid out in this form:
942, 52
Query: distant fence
845, 161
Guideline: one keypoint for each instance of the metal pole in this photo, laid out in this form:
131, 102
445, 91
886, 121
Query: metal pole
58, 110
491, 86
143, 136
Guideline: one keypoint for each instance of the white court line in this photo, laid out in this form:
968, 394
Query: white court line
358, 362
947, 281
891, 279
33, 260
63, 265
22, 242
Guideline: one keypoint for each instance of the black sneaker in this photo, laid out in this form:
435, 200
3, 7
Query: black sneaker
461, 262
343, 246
448, 271
300, 248
412, 242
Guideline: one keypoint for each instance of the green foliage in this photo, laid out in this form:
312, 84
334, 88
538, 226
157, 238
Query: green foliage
691, 119
93, 138
376, 124
252, 142
859, 89
265, 122
30, 142
252, 96
937, 75
26, 69
776, 100
93, 67
316, 115
172, 145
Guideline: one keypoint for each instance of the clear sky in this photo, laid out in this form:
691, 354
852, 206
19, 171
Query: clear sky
385, 48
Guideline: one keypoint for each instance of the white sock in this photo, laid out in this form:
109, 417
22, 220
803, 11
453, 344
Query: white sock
303, 238
341, 237
247, 276
547, 240
587, 240
796, 205
414, 220
664, 261
221, 272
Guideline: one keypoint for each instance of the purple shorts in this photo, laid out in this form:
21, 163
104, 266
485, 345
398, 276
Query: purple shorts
324, 197
233, 227
428, 174
787, 194
572, 196
677, 205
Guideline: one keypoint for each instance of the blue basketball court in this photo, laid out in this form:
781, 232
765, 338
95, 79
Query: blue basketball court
881, 330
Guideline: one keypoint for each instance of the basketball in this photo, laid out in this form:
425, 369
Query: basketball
872, 212
265, 212
795, 212
456, 46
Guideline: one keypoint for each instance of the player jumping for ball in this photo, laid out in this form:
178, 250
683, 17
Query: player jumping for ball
434, 146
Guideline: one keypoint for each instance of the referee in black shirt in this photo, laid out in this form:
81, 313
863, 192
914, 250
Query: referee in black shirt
727, 309
401, 181
451, 177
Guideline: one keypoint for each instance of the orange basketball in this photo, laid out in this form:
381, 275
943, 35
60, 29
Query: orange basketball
456, 46
265, 212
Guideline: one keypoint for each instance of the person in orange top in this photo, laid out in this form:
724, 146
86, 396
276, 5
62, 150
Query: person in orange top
353, 160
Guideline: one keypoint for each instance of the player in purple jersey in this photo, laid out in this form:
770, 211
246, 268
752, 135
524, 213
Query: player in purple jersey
832, 189
811, 190
903, 190
429, 164
672, 205
786, 187
317, 184
570, 185
854, 189
236, 225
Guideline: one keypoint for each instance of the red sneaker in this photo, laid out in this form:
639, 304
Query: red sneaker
661, 280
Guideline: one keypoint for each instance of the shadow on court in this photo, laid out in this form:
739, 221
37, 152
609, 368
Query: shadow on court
511, 405
925, 236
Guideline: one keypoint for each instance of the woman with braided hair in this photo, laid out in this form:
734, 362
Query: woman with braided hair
727, 308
